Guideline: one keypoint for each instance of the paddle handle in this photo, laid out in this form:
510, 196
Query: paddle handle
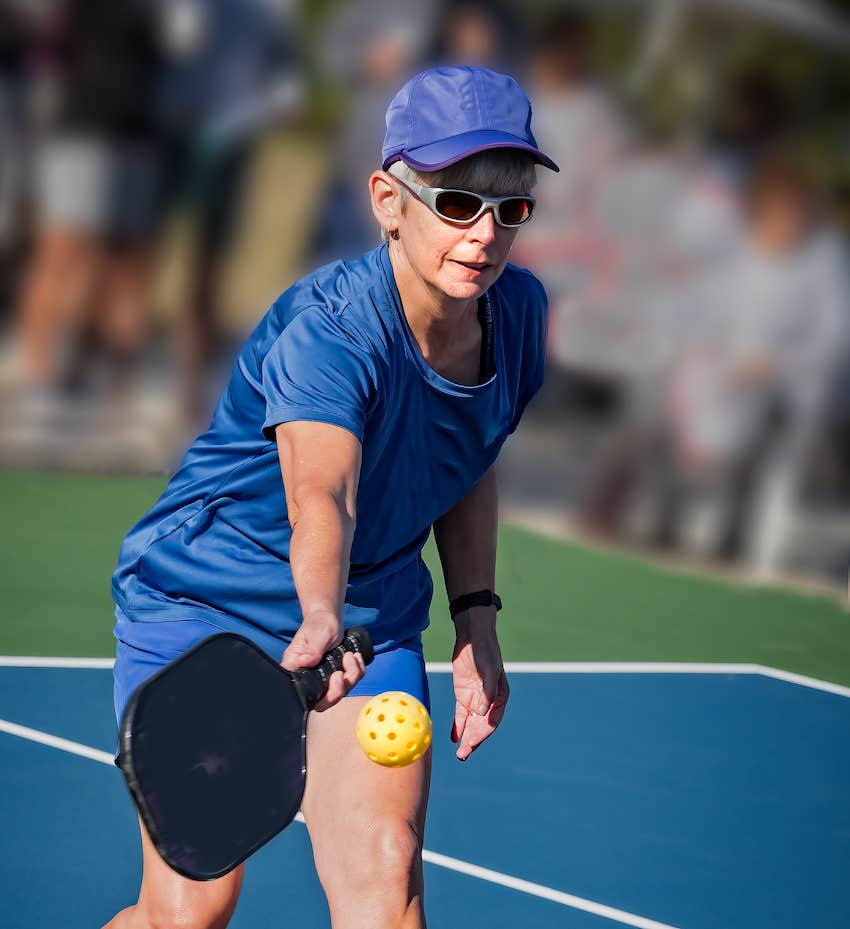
312, 683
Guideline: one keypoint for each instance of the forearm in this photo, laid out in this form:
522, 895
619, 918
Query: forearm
466, 541
320, 552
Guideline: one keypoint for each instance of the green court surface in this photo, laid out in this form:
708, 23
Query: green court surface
562, 601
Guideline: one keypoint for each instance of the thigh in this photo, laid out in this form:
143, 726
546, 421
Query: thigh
349, 799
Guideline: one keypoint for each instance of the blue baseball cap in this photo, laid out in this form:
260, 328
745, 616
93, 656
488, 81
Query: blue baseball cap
449, 113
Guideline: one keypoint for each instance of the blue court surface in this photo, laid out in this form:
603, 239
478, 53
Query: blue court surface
709, 800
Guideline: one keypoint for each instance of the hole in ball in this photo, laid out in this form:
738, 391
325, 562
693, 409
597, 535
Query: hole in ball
381, 717
399, 718
391, 736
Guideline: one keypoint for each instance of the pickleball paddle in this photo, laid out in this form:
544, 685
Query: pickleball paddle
213, 749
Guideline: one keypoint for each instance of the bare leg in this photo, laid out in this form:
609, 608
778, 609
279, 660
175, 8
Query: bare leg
59, 285
366, 824
167, 899
126, 314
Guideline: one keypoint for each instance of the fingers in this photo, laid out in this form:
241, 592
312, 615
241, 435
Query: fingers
313, 639
310, 642
353, 669
497, 711
461, 714
479, 727
489, 690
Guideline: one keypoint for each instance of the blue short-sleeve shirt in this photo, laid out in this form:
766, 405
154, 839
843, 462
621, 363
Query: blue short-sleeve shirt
335, 348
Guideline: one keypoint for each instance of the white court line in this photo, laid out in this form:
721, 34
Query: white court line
65, 745
34, 661
615, 667
790, 677
442, 861
539, 890
525, 667
659, 667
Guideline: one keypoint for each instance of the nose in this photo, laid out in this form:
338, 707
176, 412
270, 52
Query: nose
484, 228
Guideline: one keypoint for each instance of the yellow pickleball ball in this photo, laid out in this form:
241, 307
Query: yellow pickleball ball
394, 729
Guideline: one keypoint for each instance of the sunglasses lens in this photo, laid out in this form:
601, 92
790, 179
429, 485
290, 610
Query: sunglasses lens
515, 211
457, 205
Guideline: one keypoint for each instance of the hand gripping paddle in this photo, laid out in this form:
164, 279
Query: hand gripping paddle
213, 749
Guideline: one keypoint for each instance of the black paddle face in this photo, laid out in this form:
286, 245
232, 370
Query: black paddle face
226, 765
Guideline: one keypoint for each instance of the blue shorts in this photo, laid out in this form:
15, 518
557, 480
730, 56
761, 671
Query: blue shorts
142, 648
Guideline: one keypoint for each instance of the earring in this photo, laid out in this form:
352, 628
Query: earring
394, 234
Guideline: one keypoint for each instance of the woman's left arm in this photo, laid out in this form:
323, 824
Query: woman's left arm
466, 541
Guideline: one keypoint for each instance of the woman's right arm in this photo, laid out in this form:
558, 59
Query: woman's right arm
320, 464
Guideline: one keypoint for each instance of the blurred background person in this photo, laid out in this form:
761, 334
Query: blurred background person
662, 222
230, 73
750, 396
95, 183
479, 33
369, 49
579, 118
750, 119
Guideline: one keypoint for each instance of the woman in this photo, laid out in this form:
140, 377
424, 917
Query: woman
385, 388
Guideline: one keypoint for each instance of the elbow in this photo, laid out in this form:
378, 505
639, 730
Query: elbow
323, 504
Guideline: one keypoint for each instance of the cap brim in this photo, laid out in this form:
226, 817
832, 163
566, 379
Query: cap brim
439, 155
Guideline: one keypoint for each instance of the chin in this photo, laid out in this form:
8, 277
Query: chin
468, 290
464, 291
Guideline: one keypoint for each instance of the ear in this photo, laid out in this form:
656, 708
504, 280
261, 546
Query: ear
386, 204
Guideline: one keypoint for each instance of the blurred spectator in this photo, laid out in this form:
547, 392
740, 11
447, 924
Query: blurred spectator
95, 185
579, 121
369, 48
750, 394
662, 222
485, 33
229, 73
751, 119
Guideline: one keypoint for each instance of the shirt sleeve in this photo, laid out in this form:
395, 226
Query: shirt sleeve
319, 370
534, 349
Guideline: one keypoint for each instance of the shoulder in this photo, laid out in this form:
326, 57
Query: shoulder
334, 300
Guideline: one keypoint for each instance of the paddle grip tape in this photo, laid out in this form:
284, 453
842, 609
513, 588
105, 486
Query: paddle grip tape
312, 683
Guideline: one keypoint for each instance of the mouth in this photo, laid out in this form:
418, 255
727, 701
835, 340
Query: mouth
476, 266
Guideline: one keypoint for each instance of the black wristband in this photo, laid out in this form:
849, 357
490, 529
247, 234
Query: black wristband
479, 598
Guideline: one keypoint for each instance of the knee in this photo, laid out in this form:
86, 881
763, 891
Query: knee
390, 848
181, 913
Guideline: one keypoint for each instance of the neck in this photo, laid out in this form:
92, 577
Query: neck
435, 319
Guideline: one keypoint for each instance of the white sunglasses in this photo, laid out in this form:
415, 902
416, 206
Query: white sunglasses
464, 206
